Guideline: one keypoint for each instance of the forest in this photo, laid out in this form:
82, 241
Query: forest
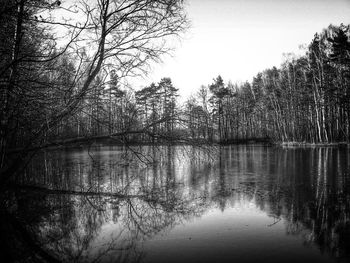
306, 99
64, 81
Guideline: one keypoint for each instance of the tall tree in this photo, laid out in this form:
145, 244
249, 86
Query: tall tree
102, 35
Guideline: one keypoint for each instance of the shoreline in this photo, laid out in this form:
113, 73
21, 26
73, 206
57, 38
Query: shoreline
203, 144
200, 143
309, 144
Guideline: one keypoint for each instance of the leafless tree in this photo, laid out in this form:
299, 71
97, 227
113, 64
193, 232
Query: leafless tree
92, 37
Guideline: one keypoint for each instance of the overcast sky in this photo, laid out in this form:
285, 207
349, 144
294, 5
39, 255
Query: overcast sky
239, 38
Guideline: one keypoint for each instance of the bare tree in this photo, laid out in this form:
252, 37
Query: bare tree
124, 35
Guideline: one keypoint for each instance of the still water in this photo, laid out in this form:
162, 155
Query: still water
182, 204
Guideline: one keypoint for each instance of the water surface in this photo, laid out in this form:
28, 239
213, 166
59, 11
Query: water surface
181, 204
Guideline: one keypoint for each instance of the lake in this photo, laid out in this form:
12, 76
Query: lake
244, 203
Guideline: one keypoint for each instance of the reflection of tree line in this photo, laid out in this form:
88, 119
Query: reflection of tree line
72, 199
319, 197
310, 188
307, 187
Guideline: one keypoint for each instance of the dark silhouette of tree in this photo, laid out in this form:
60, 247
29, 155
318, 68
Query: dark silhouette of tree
45, 83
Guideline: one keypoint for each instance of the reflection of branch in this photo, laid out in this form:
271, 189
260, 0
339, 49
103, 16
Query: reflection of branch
92, 205
131, 208
140, 156
274, 223
72, 192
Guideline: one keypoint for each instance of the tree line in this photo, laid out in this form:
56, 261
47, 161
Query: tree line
124, 115
306, 99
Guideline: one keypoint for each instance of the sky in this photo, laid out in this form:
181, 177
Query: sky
239, 38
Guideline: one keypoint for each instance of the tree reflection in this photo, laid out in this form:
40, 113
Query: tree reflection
79, 207
310, 188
